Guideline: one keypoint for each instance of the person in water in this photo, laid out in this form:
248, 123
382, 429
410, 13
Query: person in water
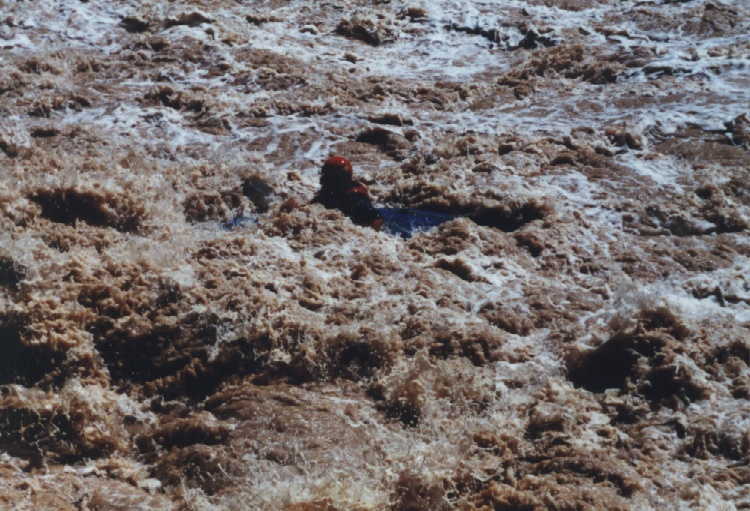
339, 190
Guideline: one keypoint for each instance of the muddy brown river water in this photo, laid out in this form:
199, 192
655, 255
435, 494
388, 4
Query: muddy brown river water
575, 335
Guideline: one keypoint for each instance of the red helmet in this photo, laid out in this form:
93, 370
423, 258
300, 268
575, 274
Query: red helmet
338, 164
336, 174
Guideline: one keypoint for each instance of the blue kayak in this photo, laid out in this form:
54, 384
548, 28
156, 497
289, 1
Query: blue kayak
405, 222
